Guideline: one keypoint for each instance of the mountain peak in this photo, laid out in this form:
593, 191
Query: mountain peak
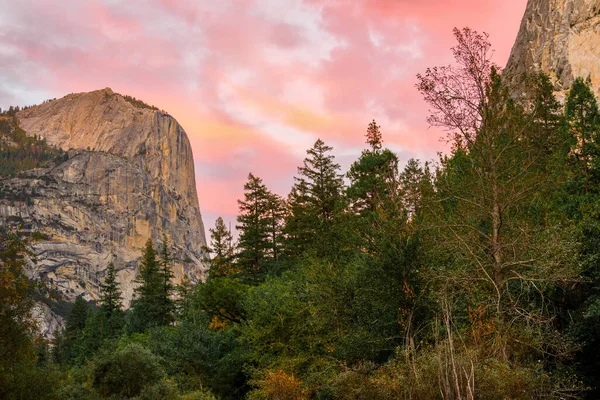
131, 180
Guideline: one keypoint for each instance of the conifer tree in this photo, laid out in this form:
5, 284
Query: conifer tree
255, 222
374, 177
110, 318
275, 216
299, 228
16, 323
314, 202
166, 301
150, 307
323, 181
222, 250
110, 292
66, 343
374, 138
582, 114
77, 317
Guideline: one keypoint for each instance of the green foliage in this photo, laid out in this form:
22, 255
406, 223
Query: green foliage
153, 304
111, 292
126, 372
67, 343
19, 152
221, 299
583, 117
198, 356
316, 205
22, 374
139, 103
222, 249
259, 227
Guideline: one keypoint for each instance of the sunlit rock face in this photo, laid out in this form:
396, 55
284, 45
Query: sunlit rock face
129, 176
562, 39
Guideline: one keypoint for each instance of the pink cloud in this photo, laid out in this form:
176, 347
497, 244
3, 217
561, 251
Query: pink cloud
255, 82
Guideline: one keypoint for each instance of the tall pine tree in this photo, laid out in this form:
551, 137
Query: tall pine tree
258, 223
314, 203
581, 111
222, 250
66, 343
167, 303
110, 300
374, 177
152, 305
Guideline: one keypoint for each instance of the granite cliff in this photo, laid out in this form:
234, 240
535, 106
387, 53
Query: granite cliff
128, 175
562, 39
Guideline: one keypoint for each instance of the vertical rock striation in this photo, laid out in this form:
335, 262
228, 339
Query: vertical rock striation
560, 38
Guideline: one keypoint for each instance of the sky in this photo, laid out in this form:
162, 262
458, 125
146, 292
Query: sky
254, 83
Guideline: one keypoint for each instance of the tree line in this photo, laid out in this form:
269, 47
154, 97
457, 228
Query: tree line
19, 152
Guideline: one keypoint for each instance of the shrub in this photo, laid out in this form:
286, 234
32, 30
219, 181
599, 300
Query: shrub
125, 372
279, 385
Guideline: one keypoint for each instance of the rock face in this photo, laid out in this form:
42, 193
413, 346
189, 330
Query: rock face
129, 176
562, 39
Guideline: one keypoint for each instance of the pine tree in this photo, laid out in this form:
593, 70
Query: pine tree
374, 138
182, 292
167, 304
314, 202
299, 228
374, 177
275, 216
66, 346
222, 250
16, 324
149, 307
582, 114
257, 244
76, 319
320, 175
110, 292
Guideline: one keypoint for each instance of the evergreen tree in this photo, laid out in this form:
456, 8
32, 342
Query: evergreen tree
222, 250
299, 228
182, 292
67, 343
582, 114
257, 243
167, 304
110, 317
110, 292
583, 201
76, 319
275, 216
315, 201
374, 177
16, 324
95, 333
322, 180
152, 305
374, 138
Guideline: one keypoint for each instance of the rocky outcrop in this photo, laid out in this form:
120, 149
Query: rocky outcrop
128, 176
45, 320
560, 38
